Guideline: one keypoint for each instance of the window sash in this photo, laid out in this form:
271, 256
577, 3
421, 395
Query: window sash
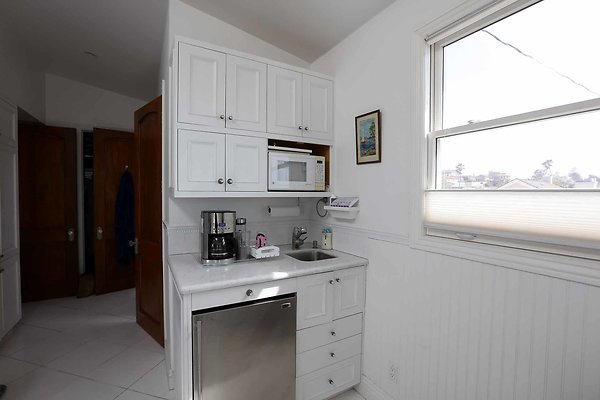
442, 208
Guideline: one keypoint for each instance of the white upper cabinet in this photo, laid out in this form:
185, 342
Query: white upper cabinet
284, 113
201, 86
246, 94
201, 161
8, 124
299, 105
317, 107
246, 164
9, 229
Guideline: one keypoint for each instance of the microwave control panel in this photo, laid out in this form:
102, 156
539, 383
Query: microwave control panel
320, 173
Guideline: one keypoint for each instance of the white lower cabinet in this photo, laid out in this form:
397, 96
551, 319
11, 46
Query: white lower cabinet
329, 336
329, 381
216, 162
10, 298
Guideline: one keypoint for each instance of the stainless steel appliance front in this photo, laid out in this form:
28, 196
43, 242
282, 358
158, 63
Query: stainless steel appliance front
246, 351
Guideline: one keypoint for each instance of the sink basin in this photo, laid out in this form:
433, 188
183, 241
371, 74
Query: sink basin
310, 255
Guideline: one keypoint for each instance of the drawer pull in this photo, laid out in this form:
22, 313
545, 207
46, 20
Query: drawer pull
332, 355
249, 292
332, 333
331, 382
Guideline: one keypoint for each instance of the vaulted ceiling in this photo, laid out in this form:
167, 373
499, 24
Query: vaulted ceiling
305, 28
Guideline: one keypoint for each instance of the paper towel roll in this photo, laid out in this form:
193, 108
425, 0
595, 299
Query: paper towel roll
290, 211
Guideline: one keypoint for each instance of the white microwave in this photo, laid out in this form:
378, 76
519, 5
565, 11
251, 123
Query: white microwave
295, 171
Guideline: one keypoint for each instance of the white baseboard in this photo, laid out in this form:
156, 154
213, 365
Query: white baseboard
370, 391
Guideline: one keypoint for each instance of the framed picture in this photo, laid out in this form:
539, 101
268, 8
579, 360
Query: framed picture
368, 138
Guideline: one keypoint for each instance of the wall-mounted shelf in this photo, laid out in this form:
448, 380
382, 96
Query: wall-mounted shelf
343, 212
181, 194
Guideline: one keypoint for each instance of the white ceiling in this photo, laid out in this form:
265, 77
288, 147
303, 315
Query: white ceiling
305, 28
126, 35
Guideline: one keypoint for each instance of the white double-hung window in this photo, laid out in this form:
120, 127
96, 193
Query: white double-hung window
514, 138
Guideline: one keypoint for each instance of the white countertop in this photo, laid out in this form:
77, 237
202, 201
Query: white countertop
190, 276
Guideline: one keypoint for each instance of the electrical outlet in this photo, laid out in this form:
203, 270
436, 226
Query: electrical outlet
393, 372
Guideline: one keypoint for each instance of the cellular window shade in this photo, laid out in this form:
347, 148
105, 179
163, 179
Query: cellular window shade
561, 218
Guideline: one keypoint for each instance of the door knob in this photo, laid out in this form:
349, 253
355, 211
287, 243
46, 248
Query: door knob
99, 233
71, 235
220, 181
229, 181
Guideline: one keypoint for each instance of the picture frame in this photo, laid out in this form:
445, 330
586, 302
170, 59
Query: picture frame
368, 137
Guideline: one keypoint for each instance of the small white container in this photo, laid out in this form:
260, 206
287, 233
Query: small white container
327, 241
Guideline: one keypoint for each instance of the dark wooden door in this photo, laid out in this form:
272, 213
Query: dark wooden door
114, 151
48, 211
148, 206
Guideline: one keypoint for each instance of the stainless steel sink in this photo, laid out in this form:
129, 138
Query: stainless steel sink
310, 255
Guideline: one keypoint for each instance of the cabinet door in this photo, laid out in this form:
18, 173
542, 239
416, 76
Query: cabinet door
349, 292
317, 108
246, 161
201, 86
201, 161
284, 112
9, 229
246, 94
8, 124
315, 300
10, 282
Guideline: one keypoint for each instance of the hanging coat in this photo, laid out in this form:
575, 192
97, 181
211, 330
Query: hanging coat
124, 220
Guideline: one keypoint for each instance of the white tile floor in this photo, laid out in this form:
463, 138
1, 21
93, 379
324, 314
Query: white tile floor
92, 349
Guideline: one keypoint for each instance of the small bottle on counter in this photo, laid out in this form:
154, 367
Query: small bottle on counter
241, 236
327, 238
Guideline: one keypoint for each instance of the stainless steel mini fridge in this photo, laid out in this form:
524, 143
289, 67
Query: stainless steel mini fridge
246, 351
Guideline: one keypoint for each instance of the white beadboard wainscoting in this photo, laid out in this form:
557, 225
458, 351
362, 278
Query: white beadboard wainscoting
457, 329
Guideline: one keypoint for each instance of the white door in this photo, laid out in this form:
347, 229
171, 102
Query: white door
246, 94
349, 292
201, 86
9, 229
317, 108
284, 110
315, 300
201, 161
246, 161
8, 124
10, 282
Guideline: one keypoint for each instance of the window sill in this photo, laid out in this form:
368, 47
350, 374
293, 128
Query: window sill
557, 266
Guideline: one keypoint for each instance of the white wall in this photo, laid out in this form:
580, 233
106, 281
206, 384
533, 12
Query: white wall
21, 76
456, 329
182, 216
78, 105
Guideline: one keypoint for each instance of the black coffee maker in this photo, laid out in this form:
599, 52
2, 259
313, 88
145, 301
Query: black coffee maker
218, 241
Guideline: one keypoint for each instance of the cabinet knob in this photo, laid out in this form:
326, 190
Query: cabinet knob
331, 382
222, 116
331, 281
230, 118
306, 128
332, 333
337, 280
220, 181
99, 233
249, 292
229, 181
332, 354
300, 127
71, 235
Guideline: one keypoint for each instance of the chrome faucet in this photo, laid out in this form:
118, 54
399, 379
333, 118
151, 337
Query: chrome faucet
297, 241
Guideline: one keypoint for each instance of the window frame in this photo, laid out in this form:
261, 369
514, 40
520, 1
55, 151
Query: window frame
427, 115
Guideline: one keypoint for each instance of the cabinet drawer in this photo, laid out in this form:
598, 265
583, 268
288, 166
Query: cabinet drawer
329, 381
317, 336
327, 355
240, 294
